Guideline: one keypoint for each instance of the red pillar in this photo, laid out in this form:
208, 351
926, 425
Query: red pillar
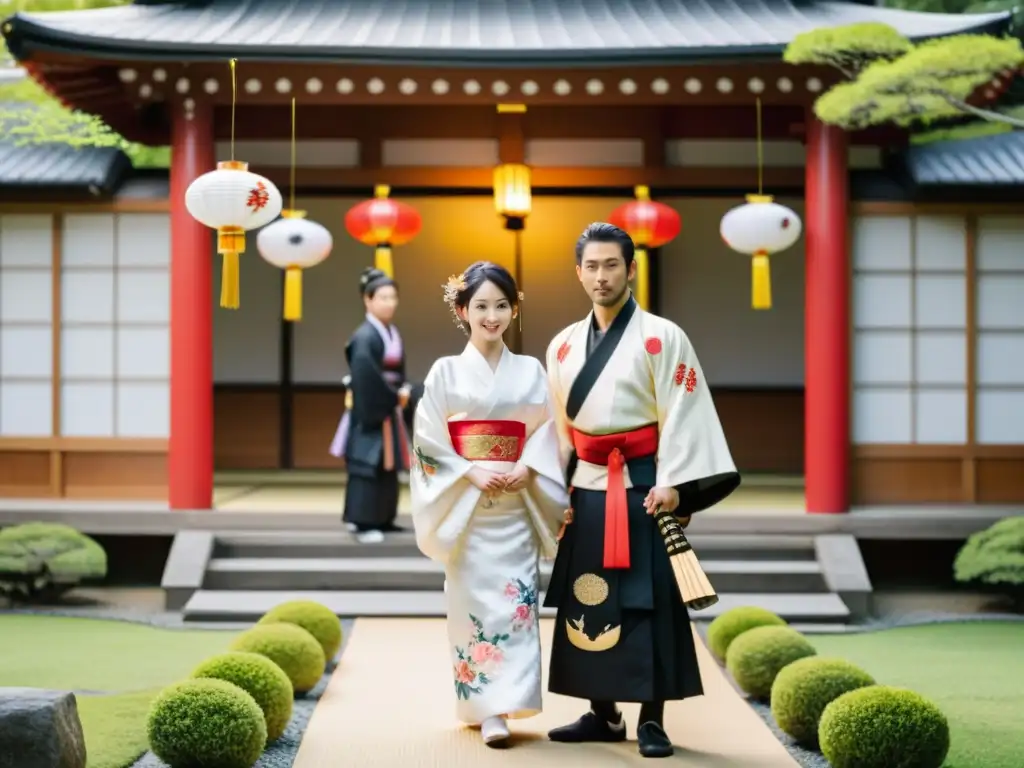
190, 459
827, 322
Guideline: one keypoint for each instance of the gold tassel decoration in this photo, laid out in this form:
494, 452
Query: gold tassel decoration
382, 260
293, 293
230, 243
643, 278
691, 580
761, 281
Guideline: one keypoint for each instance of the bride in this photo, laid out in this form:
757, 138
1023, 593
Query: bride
488, 495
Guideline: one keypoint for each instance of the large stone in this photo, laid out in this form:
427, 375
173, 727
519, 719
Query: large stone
40, 729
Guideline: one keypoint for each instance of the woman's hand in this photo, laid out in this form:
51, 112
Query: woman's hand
488, 482
516, 479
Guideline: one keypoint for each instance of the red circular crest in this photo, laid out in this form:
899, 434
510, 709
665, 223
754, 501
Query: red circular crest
653, 345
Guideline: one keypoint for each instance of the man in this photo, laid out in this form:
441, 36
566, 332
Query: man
640, 433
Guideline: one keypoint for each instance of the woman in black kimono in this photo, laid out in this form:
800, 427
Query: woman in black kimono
373, 435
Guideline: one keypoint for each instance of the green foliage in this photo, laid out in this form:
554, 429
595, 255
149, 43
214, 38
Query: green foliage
205, 723
292, 648
261, 678
319, 620
42, 560
994, 558
849, 49
733, 623
883, 727
803, 689
758, 655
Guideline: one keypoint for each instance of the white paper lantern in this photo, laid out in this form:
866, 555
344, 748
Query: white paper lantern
231, 200
293, 243
759, 228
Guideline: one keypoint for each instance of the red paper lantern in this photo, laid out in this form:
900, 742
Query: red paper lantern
651, 225
383, 223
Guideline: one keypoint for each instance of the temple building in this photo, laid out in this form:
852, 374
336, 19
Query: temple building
888, 371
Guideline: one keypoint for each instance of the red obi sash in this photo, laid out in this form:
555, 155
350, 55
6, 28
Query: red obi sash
485, 440
613, 451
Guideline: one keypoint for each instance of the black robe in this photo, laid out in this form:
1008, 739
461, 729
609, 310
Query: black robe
371, 494
655, 658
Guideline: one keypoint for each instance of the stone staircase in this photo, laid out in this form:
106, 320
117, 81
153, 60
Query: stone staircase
237, 576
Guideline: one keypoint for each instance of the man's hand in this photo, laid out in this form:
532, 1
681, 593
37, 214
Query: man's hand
665, 498
516, 479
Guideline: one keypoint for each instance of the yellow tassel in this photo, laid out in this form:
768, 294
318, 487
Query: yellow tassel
229, 290
382, 260
761, 286
643, 278
293, 293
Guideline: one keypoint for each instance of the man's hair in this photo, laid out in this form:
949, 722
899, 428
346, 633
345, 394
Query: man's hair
603, 232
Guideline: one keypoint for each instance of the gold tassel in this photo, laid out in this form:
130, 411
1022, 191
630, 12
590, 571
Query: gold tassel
643, 279
229, 290
293, 293
761, 281
382, 260
691, 580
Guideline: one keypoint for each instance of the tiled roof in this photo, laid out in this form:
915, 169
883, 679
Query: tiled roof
461, 32
984, 161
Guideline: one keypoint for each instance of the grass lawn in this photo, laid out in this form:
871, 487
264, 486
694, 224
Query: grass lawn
972, 671
128, 662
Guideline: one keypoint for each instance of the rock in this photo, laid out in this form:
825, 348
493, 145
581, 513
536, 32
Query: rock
40, 729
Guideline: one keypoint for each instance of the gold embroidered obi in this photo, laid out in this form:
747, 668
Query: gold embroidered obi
484, 440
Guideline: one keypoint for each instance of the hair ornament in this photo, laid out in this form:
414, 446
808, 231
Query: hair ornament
455, 285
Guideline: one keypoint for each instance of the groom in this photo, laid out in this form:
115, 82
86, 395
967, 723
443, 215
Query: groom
640, 432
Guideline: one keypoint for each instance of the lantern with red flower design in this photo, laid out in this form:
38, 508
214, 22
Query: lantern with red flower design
384, 223
760, 228
651, 225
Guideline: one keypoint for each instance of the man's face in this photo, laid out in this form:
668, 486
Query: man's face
603, 273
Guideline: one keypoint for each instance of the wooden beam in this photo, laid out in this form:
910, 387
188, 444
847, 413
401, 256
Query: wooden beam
543, 178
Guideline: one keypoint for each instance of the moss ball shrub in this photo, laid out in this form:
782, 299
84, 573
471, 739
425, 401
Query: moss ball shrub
883, 727
993, 559
803, 689
261, 678
206, 722
731, 624
759, 654
317, 619
292, 648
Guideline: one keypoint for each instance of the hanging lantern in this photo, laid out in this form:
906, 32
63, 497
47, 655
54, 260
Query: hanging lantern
760, 228
384, 223
293, 243
232, 200
651, 225
513, 197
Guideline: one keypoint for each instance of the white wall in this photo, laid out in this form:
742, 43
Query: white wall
1000, 345
26, 325
115, 313
910, 319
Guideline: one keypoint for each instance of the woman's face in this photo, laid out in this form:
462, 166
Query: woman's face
383, 303
488, 313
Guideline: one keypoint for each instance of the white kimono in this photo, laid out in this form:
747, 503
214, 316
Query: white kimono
489, 546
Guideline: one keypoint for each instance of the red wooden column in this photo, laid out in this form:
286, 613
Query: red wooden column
190, 459
827, 322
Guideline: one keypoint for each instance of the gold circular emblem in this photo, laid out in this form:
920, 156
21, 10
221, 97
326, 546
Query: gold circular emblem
590, 589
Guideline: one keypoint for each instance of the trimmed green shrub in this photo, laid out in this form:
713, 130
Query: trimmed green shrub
803, 689
260, 678
206, 722
993, 559
40, 561
319, 620
292, 648
759, 654
731, 624
883, 727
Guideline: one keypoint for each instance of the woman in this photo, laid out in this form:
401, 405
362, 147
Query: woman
488, 497
372, 434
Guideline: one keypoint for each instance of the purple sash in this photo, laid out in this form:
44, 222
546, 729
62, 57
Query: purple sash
393, 351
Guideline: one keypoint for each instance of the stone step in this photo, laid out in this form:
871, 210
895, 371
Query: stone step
338, 543
418, 574
248, 605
